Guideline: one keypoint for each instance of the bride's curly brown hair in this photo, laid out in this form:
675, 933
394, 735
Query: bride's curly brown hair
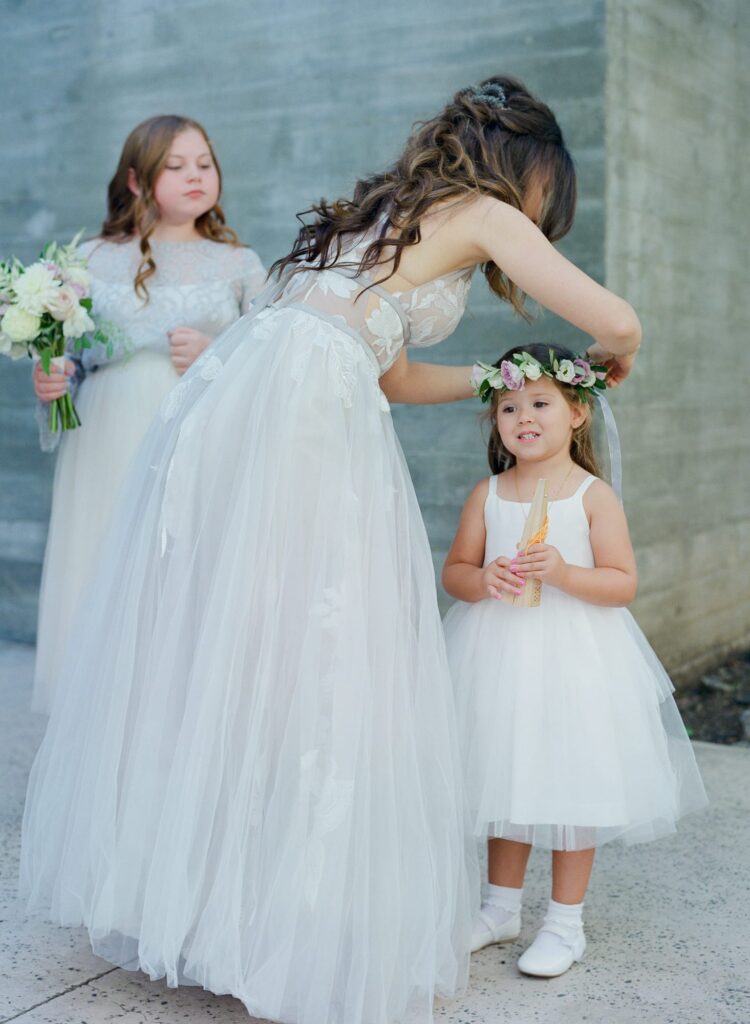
146, 150
493, 139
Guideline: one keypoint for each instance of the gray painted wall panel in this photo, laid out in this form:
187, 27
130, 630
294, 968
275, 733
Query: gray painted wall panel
677, 198
301, 99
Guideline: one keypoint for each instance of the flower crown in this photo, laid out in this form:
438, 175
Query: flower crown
513, 373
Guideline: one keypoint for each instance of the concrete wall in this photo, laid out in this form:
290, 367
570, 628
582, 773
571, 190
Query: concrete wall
300, 100
678, 193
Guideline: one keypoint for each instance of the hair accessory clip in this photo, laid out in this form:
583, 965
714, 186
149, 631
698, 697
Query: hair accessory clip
490, 93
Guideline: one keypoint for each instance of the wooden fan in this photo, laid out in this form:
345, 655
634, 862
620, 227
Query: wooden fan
534, 532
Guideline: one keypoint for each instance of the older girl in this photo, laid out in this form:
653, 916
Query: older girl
168, 276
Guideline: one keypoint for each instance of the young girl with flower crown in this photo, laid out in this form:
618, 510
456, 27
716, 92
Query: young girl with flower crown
569, 732
170, 275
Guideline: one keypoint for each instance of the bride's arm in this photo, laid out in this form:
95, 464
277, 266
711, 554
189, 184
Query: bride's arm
498, 232
487, 229
425, 383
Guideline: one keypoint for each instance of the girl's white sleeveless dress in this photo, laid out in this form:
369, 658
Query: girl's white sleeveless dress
202, 284
253, 780
570, 735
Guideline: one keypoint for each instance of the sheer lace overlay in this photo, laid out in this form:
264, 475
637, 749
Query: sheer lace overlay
386, 321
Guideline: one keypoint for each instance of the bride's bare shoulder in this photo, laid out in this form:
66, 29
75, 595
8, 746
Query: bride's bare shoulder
461, 225
468, 215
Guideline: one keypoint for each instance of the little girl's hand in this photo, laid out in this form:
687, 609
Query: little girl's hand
185, 345
497, 577
52, 385
541, 562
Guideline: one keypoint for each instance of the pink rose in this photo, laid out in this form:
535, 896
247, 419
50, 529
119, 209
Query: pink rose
512, 375
584, 374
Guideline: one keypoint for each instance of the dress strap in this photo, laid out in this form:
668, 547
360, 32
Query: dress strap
492, 486
584, 486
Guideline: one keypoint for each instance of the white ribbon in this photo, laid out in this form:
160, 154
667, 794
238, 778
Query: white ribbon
613, 445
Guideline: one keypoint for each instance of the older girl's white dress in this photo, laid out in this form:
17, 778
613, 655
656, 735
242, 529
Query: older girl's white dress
253, 782
570, 735
203, 284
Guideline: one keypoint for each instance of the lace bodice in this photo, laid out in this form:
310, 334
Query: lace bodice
387, 321
205, 285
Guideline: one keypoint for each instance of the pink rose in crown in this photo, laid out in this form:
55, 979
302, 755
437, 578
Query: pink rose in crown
512, 375
584, 374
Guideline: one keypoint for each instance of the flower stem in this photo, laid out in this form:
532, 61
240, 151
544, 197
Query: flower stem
63, 411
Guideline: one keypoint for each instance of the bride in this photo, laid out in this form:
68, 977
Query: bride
250, 779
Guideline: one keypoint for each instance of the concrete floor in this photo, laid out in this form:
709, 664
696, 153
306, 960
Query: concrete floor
668, 924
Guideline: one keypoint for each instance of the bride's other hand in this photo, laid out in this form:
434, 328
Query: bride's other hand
618, 367
488, 229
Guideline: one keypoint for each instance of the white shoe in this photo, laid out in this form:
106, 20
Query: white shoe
487, 931
556, 947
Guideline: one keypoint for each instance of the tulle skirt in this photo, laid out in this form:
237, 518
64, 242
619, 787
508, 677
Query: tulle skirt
570, 735
116, 405
253, 782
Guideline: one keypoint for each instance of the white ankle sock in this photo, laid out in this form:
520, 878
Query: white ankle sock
501, 902
567, 916
570, 915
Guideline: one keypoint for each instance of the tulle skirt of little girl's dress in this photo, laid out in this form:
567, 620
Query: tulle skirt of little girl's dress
116, 404
253, 783
571, 737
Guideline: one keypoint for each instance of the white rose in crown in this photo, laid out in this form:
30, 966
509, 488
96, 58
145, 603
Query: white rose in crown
531, 369
35, 288
65, 303
78, 324
19, 325
566, 371
478, 372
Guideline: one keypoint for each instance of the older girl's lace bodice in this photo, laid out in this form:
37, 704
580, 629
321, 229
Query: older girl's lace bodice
386, 321
205, 285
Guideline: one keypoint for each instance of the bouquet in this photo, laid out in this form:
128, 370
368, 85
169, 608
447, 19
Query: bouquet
45, 309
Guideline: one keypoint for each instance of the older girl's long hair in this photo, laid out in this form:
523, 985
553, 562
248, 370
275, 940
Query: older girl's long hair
146, 150
494, 139
582, 442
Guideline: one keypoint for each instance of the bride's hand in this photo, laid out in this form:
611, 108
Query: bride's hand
618, 367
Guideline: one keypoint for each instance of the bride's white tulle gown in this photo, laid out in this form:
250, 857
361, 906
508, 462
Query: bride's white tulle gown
251, 778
